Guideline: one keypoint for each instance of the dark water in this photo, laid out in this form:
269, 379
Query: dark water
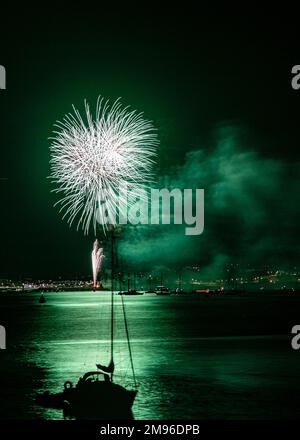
195, 357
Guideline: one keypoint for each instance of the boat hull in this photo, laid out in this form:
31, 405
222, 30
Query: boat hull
92, 401
99, 401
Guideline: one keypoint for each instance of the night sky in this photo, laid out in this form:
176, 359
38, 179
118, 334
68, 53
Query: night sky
218, 88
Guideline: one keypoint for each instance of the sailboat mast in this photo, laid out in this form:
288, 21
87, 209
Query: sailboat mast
112, 298
128, 341
113, 261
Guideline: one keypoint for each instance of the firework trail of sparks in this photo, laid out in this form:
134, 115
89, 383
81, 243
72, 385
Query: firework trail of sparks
97, 260
93, 156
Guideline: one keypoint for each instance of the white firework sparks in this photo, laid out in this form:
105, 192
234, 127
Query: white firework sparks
93, 157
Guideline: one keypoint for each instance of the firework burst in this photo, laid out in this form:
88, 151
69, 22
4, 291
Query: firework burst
93, 156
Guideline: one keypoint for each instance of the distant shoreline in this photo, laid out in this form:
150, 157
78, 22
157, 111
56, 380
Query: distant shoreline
200, 293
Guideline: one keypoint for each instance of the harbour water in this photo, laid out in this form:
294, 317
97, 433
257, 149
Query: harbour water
195, 357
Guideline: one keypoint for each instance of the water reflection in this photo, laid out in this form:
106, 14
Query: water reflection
189, 365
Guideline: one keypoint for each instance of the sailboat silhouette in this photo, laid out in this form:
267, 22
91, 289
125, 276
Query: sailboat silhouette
96, 396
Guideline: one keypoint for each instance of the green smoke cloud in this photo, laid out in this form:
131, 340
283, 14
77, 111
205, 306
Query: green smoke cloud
251, 210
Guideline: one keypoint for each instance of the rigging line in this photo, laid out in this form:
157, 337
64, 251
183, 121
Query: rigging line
128, 341
112, 300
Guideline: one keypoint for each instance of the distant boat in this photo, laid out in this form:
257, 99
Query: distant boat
179, 291
131, 292
162, 290
42, 299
